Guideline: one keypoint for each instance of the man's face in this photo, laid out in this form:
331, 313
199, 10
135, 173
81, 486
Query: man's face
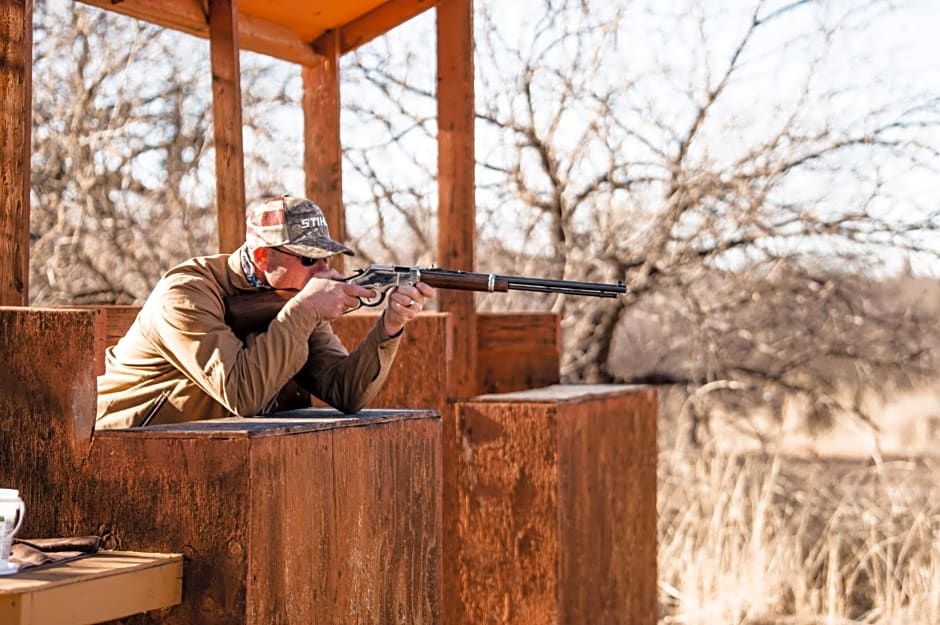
285, 270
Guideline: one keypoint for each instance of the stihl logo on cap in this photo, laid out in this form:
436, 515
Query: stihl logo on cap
315, 222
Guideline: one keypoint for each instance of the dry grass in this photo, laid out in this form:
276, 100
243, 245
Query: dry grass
747, 538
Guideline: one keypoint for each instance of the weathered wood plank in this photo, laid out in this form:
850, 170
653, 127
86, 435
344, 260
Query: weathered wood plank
227, 122
607, 509
517, 351
95, 589
456, 204
174, 495
118, 318
360, 503
16, 54
303, 526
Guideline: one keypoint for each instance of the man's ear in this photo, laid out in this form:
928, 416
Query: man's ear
259, 256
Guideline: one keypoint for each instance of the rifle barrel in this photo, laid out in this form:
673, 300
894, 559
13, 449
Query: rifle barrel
470, 281
570, 287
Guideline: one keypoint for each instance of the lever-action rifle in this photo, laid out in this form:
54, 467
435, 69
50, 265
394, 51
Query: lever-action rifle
254, 311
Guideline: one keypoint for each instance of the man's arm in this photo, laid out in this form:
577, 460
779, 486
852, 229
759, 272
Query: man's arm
190, 333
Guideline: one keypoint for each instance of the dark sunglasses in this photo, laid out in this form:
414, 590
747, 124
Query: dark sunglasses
306, 261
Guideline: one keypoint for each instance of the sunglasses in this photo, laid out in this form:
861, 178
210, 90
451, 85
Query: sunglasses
306, 261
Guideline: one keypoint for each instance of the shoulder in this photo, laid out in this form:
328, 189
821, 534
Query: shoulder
197, 285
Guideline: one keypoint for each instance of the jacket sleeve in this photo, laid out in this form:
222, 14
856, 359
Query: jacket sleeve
243, 377
347, 381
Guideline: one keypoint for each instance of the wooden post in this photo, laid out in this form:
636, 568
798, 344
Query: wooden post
457, 208
323, 152
227, 114
16, 54
557, 508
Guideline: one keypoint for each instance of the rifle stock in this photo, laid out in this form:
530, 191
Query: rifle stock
252, 312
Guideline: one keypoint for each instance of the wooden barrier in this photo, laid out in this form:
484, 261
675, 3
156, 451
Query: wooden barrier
329, 519
47, 407
548, 496
514, 351
517, 351
553, 513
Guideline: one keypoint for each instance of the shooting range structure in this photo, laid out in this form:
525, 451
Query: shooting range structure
480, 489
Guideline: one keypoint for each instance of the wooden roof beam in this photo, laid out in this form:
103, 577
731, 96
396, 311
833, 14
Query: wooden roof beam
190, 16
264, 37
376, 23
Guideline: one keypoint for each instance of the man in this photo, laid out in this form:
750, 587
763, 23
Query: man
179, 361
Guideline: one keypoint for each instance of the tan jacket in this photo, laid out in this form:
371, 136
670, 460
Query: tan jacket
179, 361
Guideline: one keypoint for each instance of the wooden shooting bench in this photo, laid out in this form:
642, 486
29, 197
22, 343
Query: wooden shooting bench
101, 587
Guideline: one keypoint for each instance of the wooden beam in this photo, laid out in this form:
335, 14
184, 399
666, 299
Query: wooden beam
264, 37
379, 21
323, 151
16, 54
456, 206
188, 16
227, 118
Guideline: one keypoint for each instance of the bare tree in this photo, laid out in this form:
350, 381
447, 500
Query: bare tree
739, 161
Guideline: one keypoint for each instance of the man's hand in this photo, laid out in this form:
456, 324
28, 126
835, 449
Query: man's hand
404, 304
327, 297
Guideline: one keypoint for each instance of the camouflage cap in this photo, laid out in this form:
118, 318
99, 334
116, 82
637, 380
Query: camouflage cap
294, 223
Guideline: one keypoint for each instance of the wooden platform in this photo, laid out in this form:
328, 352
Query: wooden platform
97, 588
